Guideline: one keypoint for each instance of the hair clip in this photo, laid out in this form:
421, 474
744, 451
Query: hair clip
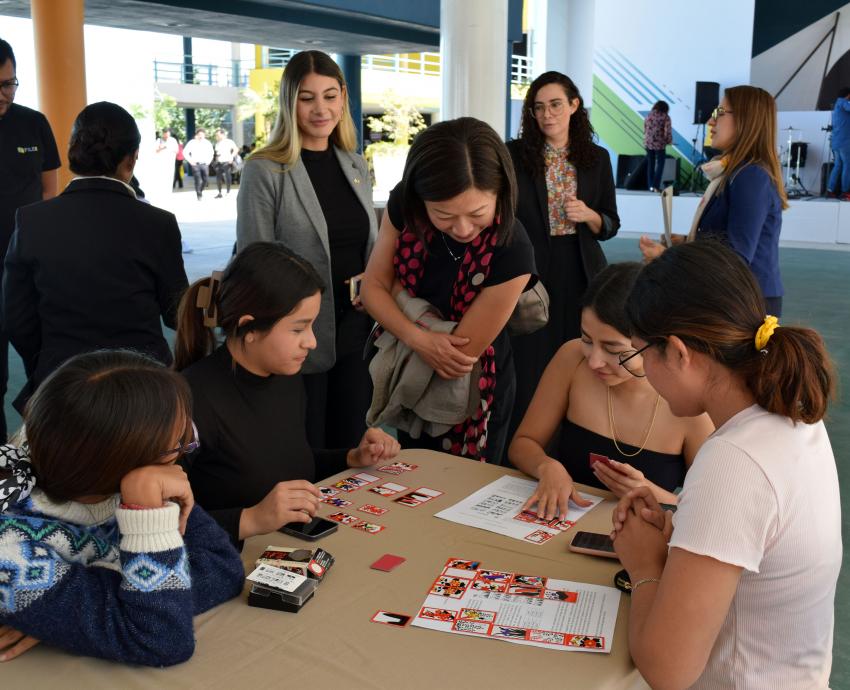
763, 352
206, 301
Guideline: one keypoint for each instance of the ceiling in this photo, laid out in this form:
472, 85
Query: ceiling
340, 26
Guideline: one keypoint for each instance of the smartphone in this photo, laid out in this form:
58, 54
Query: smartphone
593, 544
311, 531
354, 287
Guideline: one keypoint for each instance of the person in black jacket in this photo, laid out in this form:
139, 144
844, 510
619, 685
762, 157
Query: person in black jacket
93, 268
567, 204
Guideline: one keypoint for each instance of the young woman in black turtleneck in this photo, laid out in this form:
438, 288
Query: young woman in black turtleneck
254, 470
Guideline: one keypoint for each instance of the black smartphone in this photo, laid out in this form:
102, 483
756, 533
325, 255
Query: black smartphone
593, 544
311, 531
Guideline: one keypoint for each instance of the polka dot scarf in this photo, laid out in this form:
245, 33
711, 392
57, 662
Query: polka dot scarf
469, 438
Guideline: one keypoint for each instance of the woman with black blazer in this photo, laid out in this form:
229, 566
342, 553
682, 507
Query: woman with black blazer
94, 268
568, 205
309, 189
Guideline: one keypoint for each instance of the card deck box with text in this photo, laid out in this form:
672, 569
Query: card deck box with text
313, 564
282, 590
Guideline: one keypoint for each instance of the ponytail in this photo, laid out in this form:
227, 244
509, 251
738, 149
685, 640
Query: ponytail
265, 280
792, 376
195, 340
706, 295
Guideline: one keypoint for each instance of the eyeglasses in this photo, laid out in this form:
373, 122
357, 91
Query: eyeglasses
9, 86
555, 107
631, 354
185, 448
719, 112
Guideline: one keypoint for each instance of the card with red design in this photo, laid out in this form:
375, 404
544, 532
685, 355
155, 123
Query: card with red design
539, 536
437, 614
398, 620
335, 501
418, 496
343, 518
387, 489
368, 527
596, 457
373, 510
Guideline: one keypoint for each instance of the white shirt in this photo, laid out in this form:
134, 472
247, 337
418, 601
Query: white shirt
762, 494
198, 151
226, 150
169, 145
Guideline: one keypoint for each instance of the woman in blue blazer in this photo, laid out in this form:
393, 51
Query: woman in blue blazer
743, 204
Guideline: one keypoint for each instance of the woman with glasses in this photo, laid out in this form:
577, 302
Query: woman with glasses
743, 203
254, 468
738, 587
567, 204
104, 552
616, 432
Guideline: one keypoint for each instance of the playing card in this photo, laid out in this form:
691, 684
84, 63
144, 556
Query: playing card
443, 615
368, 527
388, 618
477, 615
345, 485
538, 537
328, 491
373, 510
335, 502
452, 587
596, 457
461, 564
343, 518
388, 489
390, 469
387, 562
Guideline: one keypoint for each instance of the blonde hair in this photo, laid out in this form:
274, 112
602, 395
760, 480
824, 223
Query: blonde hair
284, 145
755, 129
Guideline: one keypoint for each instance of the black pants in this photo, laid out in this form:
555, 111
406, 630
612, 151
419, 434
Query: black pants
200, 174
224, 173
178, 179
337, 403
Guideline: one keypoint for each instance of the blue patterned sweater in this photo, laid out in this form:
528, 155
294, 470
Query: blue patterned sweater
103, 581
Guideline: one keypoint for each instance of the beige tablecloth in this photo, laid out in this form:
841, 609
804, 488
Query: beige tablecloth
331, 642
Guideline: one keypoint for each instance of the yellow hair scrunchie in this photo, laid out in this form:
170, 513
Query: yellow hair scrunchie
771, 323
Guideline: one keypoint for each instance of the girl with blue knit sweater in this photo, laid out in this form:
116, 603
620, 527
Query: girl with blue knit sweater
102, 552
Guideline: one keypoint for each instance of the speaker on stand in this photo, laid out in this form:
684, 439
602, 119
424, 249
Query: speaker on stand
706, 98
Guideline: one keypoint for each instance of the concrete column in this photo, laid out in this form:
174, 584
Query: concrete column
561, 39
61, 69
350, 65
236, 61
473, 41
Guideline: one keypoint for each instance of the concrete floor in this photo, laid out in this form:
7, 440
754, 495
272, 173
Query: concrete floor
816, 284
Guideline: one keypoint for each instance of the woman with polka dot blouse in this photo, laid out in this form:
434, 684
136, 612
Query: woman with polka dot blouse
450, 237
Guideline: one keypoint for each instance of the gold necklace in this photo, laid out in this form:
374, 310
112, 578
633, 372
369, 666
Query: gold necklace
614, 431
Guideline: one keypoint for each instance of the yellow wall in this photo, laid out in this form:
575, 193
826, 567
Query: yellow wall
259, 81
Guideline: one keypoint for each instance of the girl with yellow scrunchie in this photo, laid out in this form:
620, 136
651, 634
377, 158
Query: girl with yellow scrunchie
738, 588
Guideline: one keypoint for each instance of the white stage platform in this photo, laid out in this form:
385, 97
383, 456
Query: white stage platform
822, 223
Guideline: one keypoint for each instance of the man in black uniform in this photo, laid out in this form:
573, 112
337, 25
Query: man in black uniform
29, 162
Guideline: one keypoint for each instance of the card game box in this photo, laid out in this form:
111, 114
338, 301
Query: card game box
313, 564
279, 589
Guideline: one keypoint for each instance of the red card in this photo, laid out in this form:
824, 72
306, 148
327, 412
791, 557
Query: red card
387, 562
595, 457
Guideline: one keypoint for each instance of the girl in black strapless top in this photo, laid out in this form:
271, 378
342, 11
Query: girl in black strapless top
616, 432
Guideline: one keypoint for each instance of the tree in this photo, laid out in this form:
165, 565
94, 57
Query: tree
263, 106
401, 120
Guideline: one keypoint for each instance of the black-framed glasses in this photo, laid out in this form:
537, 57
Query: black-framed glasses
555, 107
9, 86
719, 112
629, 355
185, 448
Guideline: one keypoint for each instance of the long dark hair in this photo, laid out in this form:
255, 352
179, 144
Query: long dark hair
450, 157
583, 153
265, 280
607, 294
703, 293
99, 416
103, 135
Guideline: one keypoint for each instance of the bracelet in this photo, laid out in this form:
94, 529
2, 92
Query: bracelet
643, 581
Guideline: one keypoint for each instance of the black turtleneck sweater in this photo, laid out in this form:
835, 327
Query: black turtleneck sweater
252, 436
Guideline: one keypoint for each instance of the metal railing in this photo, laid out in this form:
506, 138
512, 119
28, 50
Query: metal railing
206, 74
426, 64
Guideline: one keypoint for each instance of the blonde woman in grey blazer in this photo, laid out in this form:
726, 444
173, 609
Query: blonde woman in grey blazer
309, 189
